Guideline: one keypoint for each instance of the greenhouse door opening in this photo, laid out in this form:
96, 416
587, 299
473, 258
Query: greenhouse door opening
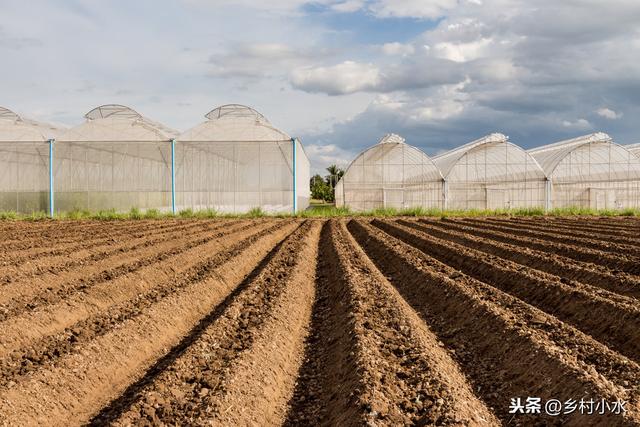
600, 198
393, 198
498, 199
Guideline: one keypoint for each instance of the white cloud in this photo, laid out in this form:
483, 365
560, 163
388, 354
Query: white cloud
463, 52
411, 8
346, 77
322, 155
608, 113
262, 60
577, 124
348, 6
396, 48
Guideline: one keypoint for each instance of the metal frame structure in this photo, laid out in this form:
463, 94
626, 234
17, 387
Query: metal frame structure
390, 174
237, 160
26, 151
591, 171
491, 173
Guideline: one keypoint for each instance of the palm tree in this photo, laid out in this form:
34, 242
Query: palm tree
335, 173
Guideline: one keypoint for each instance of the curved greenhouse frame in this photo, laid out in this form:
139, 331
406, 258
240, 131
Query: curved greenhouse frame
591, 171
24, 163
117, 159
236, 161
634, 148
390, 174
491, 173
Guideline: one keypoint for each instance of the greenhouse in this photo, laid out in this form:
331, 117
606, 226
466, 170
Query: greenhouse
390, 174
590, 171
491, 173
24, 163
236, 161
117, 159
634, 148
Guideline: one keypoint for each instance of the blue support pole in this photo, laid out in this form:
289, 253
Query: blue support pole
173, 176
51, 191
295, 184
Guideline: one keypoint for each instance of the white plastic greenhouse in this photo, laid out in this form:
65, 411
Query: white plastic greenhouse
117, 159
236, 160
24, 162
491, 173
390, 174
590, 171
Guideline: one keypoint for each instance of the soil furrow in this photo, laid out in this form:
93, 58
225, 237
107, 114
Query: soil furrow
506, 347
496, 243
571, 233
87, 380
220, 378
46, 351
582, 228
81, 304
75, 237
47, 228
29, 294
631, 253
35, 263
615, 320
404, 377
613, 224
612, 262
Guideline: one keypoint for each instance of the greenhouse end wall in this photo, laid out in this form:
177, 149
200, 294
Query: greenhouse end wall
492, 173
591, 171
118, 175
390, 174
597, 176
240, 176
24, 176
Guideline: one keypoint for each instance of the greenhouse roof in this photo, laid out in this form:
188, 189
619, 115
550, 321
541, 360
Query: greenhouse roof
235, 110
386, 145
446, 161
549, 156
634, 148
15, 128
113, 122
391, 138
234, 123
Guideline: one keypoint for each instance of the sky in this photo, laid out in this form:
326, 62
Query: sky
338, 74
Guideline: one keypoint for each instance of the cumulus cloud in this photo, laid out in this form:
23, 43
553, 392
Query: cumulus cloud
261, 59
323, 155
344, 78
411, 8
396, 48
539, 73
608, 113
577, 124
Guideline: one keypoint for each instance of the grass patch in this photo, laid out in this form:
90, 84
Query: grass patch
314, 212
256, 212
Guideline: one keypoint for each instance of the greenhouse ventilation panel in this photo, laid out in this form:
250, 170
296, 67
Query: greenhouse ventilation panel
390, 174
117, 159
24, 163
491, 173
236, 161
591, 171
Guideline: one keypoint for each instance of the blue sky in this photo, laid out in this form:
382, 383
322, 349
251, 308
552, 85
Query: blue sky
339, 74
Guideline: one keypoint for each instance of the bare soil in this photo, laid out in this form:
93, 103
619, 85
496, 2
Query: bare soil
350, 322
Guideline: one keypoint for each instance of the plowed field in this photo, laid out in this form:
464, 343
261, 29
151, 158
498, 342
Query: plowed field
400, 321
